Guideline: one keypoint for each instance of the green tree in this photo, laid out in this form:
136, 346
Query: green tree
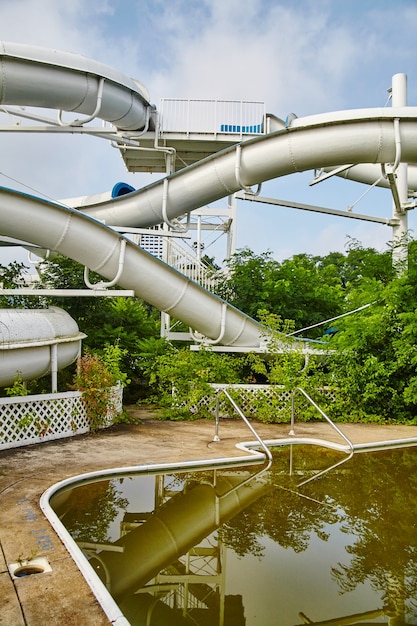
180, 379
14, 275
376, 359
360, 263
89, 313
249, 280
301, 289
307, 292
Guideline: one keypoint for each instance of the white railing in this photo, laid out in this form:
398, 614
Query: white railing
26, 420
243, 417
187, 263
211, 117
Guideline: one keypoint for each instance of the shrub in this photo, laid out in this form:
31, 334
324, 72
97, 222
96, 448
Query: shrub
94, 377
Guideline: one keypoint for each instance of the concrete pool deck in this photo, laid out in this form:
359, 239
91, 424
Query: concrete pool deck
62, 596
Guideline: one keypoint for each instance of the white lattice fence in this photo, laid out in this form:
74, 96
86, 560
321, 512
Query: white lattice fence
33, 419
250, 398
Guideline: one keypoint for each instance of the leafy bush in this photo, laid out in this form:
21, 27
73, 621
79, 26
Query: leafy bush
181, 379
19, 387
94, 377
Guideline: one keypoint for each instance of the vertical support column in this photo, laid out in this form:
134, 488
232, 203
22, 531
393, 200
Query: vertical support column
198, 238
54, 367
231, 233
292, 431
400, 231
166, 252
216, 426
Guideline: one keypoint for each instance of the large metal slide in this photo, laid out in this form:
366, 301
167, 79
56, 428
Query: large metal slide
46, 78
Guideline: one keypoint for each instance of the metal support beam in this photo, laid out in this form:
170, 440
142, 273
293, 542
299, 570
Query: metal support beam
318, 209
70, 293
399, 187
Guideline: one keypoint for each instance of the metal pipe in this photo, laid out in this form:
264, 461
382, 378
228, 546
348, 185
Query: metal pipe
248, 424
54, 367
114, 281
317, 209
93, 115
220, 336
400, 231
322, 413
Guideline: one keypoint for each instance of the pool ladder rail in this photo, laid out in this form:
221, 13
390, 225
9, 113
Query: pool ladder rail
350, 447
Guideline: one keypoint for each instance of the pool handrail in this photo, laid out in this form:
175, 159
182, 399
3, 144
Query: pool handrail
322, 413
244, 418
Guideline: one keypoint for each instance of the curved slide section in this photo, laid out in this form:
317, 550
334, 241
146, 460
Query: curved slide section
100, 248
40, 77
367, 173
365, 136
36, 342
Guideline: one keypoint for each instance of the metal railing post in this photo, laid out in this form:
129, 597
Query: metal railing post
216, 427
244, 418
292, 431
326, 417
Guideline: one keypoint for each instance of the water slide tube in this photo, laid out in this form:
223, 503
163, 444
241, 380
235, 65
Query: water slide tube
182, 523
40, 77
354, 136
36, 342
105, 251
329, 140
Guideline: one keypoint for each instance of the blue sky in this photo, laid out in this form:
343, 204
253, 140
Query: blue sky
304, 57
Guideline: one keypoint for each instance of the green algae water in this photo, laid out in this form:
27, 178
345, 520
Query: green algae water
317, 538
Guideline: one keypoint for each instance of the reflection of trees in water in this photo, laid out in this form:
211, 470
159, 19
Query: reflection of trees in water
373, 497
280, 514
242, 533
381, 511
90, 509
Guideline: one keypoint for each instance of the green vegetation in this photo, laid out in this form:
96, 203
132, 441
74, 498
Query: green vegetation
370, 358
18, 388
375, 363
95, 377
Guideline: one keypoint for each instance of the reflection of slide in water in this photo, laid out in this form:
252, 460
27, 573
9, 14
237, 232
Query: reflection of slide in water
31, 76
170, 532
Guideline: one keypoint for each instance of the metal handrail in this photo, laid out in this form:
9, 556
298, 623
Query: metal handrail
186, 262
244, 418
322, 413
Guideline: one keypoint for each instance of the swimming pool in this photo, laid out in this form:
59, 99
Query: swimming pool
317, 537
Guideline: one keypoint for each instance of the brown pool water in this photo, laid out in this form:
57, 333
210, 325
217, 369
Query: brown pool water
317, 538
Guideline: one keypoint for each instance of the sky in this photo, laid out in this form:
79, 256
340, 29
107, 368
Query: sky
304, 57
